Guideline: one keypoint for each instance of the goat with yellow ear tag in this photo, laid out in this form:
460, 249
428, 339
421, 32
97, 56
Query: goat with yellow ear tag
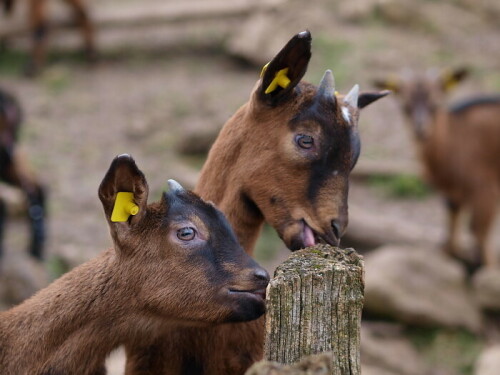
284, 157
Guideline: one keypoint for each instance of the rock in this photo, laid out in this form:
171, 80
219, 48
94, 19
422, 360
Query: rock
262, 35
488, 362
20, 277
356, 10
486, 284
399, 12
385, 351
418, 287
319, 364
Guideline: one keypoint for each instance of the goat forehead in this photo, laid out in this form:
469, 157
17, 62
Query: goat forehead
190, 207
419, 95
324, 115
339, 141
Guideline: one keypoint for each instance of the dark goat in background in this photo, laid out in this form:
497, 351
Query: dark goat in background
13, 172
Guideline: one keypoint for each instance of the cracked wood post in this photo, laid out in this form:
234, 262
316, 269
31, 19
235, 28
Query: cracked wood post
314, 305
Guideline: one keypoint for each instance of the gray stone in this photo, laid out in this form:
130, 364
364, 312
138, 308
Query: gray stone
385, 351
486, 284
318, 364
263, 34
20, 277
488, 362
419, 287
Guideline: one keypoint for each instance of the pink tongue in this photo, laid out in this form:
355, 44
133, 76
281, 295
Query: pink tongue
308, 236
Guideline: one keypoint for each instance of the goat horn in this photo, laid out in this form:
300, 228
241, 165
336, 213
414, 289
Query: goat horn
175, 186
327, 85
352, 97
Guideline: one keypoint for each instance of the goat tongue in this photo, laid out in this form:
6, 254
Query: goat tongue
308, 236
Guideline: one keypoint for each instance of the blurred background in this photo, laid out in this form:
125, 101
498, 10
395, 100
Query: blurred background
168, 75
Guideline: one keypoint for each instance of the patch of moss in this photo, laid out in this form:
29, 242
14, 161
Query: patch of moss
331, 53
401, 186
195, 161
455, 350
57, 266
268, 245
12, 62
56, 80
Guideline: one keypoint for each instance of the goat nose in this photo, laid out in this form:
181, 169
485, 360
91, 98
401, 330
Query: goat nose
261, 274
337, 228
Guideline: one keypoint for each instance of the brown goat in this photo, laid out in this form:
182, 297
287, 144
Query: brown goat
175, 263
37, 18
284, 157
13, 171
460, 150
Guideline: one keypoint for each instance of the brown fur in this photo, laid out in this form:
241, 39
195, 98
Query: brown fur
460, 150
255, 172
150, 282
37, 19
14, 170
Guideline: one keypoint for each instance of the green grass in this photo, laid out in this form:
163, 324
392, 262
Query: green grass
401, 186
267, 245
331, 53
12, 62
195, 161
56, 80
455, 350
57, 266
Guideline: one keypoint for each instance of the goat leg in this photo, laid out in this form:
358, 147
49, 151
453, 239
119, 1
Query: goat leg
36, 213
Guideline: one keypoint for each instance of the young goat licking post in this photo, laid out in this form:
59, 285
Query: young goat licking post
175, 263
14, 171
460, 150
284, 157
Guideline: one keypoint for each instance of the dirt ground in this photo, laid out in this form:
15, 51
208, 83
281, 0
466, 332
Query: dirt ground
142, 99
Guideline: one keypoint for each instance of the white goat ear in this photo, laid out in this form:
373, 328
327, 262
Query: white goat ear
174, 186
352, 97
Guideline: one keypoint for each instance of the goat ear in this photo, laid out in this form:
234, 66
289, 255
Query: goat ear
123, 176
366, 98
286, 69
392, 84
450, 78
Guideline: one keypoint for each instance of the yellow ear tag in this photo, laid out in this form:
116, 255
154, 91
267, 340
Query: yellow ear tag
392, 84
280, 79
124, 207
449, 81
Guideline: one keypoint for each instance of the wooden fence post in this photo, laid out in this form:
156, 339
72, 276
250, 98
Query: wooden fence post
314, 305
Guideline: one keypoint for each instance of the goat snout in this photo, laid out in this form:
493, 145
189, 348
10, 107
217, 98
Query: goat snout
249, 295
254, 282
339, 227
261, 275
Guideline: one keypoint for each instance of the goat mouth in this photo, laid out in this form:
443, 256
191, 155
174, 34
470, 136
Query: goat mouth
256, 293
310, 237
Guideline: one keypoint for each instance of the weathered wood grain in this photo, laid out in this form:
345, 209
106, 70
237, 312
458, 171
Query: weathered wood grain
314, 305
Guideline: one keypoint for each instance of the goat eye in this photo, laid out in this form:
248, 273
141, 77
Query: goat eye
186, 234
304, 141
